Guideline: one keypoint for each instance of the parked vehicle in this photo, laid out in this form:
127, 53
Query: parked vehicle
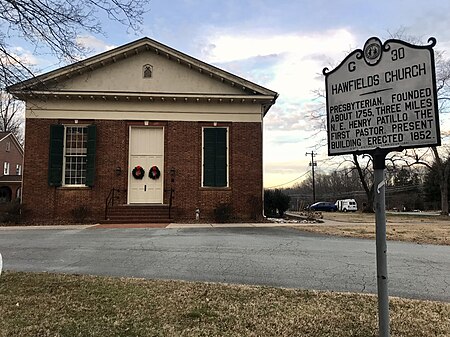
323, 206
347, 205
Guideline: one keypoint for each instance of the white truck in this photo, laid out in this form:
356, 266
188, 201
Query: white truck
347, 205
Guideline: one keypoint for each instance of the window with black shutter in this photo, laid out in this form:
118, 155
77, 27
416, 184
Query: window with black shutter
215, 157
72, 155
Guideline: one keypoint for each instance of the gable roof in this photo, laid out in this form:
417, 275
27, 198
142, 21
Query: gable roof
44, 84
7, 134
3, 134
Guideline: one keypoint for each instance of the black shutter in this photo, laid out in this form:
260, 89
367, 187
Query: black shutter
209, 154
215, 157
221, 158
91, 148
55, 161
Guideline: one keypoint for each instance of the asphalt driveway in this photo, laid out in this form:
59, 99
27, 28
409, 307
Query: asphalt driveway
275, 256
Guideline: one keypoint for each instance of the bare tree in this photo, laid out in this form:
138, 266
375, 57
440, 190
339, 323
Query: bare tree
443, 167
54, 26
11, 115
440, 158
440, 161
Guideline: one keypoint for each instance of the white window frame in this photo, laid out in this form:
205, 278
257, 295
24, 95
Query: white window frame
6, 168
228, 155
18, 169
82, 183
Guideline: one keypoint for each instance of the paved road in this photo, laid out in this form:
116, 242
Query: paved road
274, 256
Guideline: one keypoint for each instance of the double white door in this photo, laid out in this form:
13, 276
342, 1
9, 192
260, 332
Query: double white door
146, 150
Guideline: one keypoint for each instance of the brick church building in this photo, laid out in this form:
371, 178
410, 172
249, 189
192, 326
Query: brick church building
143, 133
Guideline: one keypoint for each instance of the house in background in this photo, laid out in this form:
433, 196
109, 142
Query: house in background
143, 133
11, 159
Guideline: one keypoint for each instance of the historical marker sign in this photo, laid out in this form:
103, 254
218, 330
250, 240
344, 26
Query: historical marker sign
383, 96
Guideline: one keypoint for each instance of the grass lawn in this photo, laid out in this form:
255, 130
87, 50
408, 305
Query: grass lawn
71, 305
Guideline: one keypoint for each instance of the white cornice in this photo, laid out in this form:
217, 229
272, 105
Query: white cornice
150, 97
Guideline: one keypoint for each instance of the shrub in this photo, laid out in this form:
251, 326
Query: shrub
255, 208
81, 214
13, 212
223, 213
275, 203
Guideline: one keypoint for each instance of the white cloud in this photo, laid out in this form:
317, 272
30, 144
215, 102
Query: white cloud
95, 45
301, 58
301, 116
23, 56
228, 47
292, 65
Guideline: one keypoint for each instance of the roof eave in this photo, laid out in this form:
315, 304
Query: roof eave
148, 96
144, 44
267, 107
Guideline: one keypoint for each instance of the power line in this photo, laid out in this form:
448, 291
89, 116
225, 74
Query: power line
288, 181
390, 190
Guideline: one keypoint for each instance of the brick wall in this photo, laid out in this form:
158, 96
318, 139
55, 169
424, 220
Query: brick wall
45, 202
13, 156
184, 154
183, 159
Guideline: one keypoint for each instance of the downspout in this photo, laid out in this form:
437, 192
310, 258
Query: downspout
265, 109
263, 113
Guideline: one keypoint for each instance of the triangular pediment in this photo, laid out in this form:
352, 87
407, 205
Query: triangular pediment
142, 67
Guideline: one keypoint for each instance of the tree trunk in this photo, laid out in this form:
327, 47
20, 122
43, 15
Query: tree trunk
368, 208
443, 171
444, 199
443, 184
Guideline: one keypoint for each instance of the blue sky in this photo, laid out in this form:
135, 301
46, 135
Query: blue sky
282, 45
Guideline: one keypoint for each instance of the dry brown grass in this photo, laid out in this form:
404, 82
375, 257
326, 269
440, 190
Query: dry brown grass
426, 234
67, 305
411, 228
391, 218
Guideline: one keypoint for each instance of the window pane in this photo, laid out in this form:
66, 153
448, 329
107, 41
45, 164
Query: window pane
75, 155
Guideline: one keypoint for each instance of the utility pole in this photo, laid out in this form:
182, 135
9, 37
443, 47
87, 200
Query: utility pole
312, 164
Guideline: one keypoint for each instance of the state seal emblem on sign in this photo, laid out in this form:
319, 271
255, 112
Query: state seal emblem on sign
372, 51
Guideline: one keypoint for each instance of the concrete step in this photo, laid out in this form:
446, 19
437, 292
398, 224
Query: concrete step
135, 221
138, 214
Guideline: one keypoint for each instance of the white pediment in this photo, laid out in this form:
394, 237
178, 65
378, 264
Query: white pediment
121, 71
127, 76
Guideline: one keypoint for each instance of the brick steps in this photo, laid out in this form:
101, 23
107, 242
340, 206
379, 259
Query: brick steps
138, 214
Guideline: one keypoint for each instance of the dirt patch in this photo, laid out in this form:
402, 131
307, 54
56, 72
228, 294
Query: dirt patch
426, 234
426, 229
393, 218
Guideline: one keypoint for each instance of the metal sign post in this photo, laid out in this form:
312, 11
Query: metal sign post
381, 246
379, 99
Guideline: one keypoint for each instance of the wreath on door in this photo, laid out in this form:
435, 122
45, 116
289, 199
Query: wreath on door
154, 172
138, 172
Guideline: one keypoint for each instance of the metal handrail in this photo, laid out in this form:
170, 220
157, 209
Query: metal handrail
110, 200
170, 202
